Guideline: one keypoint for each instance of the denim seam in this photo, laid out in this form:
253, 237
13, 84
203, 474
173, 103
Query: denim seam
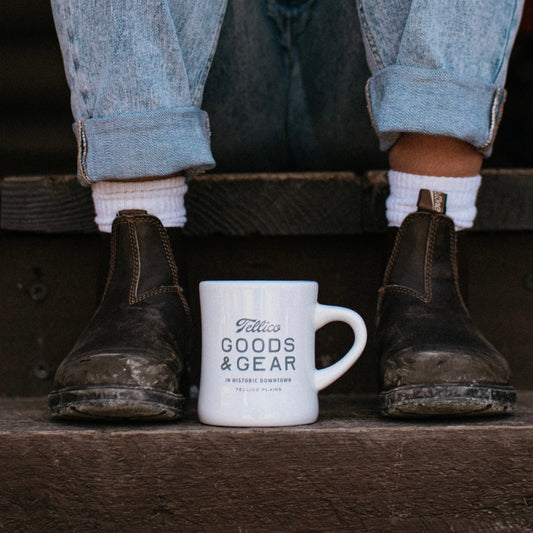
388, 127
389, 138
71, 55
290, 21
82, 153
198, 93
508, 44
370, 41
495, 118
157, 143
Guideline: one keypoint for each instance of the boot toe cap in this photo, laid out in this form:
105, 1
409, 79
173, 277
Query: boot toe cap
434, 365
126, 369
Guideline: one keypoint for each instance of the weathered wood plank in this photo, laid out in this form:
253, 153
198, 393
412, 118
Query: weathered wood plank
48, 204
334, 203
275, 204
351, 471
505, 200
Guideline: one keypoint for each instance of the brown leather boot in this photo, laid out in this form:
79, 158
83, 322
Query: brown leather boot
434, 360
129, 361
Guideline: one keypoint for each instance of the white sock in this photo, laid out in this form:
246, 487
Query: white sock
161, 198
461, 196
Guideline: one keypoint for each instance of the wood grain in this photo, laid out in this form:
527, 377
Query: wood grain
275, 204
351, 471
47, 204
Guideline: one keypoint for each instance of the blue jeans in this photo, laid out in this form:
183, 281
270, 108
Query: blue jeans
286, 90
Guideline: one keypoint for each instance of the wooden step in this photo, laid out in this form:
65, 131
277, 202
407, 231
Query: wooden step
351, 471
307, 203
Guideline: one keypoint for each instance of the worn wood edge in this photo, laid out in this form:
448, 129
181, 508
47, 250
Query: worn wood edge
397, 477
292, 203
277, 176
340, 414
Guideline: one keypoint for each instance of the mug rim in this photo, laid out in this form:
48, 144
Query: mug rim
258, 281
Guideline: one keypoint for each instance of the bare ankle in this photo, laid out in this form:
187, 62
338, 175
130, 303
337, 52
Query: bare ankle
434, 155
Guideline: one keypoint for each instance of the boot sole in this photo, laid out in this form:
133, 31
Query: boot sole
448, 400
102, 403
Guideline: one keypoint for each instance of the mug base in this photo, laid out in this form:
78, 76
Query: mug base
254, 423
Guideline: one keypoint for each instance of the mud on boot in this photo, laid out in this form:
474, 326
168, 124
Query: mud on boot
129, 361
434, 361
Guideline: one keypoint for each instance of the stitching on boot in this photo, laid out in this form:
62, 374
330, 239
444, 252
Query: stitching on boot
135, 297
112, 264
134, 259
427, 295
174, 269
394, 253
455, 266
168, 253
163, 289
430, 252
405, 290
384, 288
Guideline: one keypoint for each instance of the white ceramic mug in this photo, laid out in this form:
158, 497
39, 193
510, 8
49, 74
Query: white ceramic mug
258, 352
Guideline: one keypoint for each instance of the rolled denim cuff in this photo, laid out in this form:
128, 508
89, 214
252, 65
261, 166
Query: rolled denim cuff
134, 145
434, 102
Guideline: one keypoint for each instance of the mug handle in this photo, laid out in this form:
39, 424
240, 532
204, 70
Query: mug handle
331, 313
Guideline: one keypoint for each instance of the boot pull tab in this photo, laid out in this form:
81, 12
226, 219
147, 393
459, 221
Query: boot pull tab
131, 212
432, 202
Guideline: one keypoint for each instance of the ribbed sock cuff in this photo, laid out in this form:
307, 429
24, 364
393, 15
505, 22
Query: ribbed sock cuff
461, 196
164, 199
